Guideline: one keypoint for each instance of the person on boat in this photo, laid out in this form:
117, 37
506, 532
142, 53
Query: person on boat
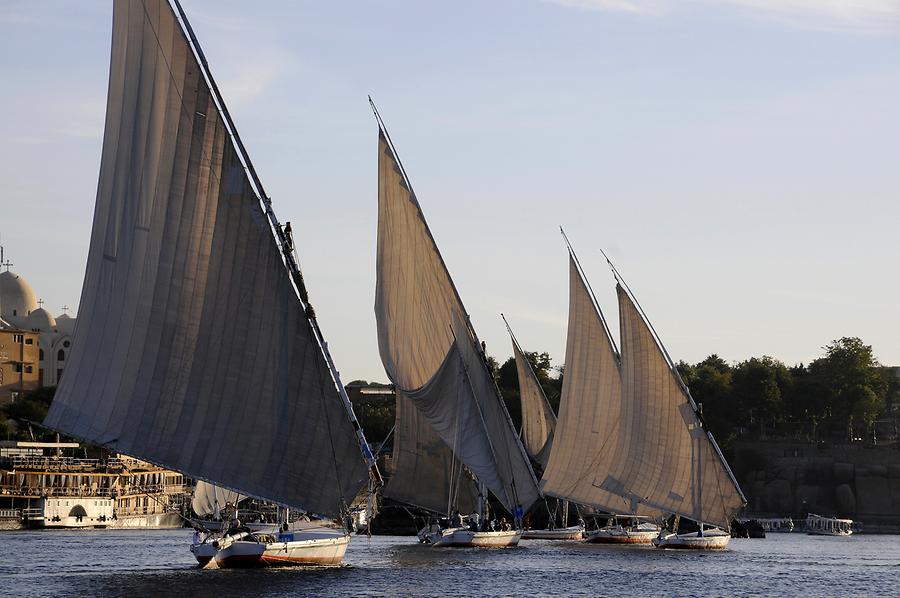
519, 516
455, 519
504, 525
288, 236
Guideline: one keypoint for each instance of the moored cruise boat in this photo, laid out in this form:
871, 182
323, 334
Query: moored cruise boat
53, 489
816, 525
704, 539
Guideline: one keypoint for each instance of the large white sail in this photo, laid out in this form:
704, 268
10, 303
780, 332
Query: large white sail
429, 350
589, 428
426, 474
666, 459
193, 350
538, 419
210, 499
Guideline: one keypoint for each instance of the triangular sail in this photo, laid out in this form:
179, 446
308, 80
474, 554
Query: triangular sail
193, 350
670, 461
209, 499
538, 419
426, 474
430, 352
589, 428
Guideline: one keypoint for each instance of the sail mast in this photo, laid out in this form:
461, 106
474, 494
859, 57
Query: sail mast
281, 241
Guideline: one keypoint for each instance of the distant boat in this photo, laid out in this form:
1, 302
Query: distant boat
434, 358
196, 347
816, 525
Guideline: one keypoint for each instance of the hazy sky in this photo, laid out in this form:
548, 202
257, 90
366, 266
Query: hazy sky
738, 159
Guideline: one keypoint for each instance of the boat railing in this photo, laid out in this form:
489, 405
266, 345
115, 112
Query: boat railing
55, 491
10, 514
57, 463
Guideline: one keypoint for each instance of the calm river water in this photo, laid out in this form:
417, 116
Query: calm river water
157, 563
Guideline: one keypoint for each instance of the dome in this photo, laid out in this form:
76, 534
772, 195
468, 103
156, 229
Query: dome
17, 298
65, 323
41, 319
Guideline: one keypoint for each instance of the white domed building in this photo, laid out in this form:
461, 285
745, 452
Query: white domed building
20, 310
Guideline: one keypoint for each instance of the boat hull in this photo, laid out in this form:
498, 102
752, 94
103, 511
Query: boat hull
710, 540
566, 533
285, 552
842, 534
620, 536
204, 552
462, 537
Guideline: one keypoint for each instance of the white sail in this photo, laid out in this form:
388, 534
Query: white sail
588, 431
426, 474
538, 419
210, 499
193, 350
667, 460
429, 350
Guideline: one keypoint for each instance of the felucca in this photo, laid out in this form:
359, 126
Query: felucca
432, 355
197, 348
649, 453
589, 428
538, 424
666, 458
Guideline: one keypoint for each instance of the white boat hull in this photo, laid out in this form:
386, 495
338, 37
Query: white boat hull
843, 533
565, 533
204, 552
620, 535
291, 549
461, 536
710, 540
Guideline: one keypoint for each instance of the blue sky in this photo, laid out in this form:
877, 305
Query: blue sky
737, 159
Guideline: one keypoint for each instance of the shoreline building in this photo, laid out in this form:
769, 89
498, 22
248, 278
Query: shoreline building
45, 485
23, 315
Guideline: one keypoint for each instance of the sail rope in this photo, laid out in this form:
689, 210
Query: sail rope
344, 509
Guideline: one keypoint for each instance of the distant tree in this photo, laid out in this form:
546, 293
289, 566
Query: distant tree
33, 407
806, 400
7, 431
759, 386
892, 397
855, 383
710, 384
376, 418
